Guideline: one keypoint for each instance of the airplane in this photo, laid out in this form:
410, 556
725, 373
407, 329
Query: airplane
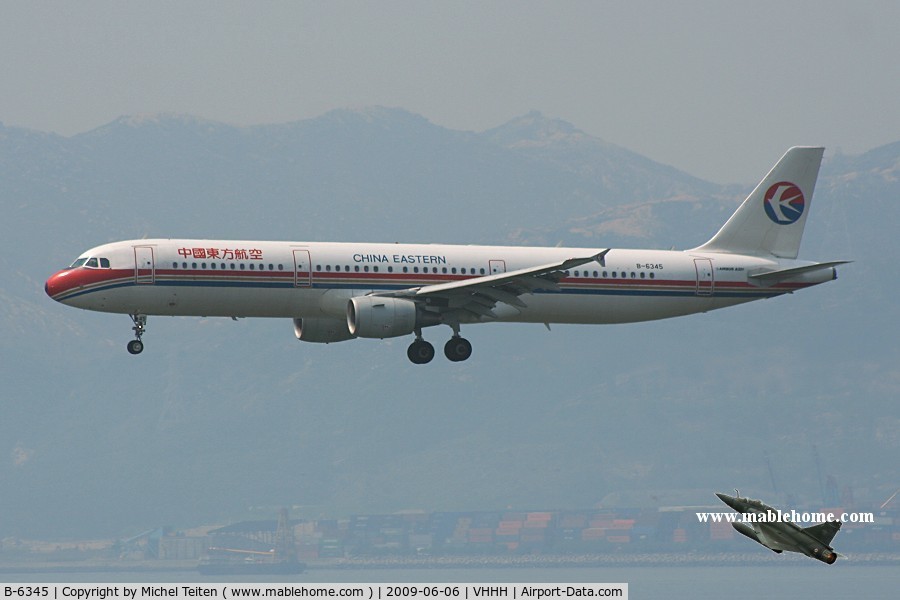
779, 536
339, 291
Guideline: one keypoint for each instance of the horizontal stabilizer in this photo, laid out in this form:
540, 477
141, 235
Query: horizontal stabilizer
772, 277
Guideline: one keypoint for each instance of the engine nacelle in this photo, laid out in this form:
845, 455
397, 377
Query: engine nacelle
323, 331
378, 317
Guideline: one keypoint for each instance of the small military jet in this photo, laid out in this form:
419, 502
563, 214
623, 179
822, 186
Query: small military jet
768, 529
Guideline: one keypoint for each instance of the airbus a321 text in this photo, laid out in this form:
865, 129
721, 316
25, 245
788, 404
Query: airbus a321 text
339, 291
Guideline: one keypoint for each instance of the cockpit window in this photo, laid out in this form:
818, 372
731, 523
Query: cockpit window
91, 263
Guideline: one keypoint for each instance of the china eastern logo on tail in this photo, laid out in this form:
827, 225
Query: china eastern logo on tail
784, 203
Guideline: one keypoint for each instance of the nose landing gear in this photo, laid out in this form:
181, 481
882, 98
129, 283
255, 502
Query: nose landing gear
136, 346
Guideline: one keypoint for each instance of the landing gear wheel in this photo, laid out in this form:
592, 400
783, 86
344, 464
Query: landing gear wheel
420, 352
136, 346
458, 349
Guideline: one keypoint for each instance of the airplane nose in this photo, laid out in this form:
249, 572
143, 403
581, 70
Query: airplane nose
47, 287
729, 500
54, 285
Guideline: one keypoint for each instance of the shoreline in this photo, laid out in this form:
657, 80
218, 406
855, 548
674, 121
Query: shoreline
586, 561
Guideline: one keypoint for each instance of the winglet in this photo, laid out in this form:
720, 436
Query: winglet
600, 258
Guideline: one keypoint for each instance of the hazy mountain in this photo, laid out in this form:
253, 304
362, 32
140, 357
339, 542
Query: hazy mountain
216, 416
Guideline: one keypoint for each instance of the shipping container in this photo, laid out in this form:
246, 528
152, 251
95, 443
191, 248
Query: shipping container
602, 522
539, 516
573, 521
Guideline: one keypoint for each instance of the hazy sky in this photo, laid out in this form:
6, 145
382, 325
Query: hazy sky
718, 89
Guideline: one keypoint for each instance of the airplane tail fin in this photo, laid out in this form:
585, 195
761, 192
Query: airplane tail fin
770, 221
824, 532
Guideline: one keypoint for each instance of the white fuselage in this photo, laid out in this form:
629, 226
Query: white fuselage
315, 280
339, 291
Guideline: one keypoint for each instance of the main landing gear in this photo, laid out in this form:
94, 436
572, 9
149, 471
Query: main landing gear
136, 346
456, 349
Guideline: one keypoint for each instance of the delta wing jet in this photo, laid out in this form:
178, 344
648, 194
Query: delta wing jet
779, 536
340, 291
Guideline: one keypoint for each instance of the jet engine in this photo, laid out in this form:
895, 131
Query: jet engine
379, 317
322, 331
827, 556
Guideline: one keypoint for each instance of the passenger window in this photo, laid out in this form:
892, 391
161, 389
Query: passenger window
390, 269
232, 266
242, 266
175, 265
212, 265
375, 268
366, 268
184, 265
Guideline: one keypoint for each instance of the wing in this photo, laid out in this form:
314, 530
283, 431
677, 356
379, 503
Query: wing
475, 299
